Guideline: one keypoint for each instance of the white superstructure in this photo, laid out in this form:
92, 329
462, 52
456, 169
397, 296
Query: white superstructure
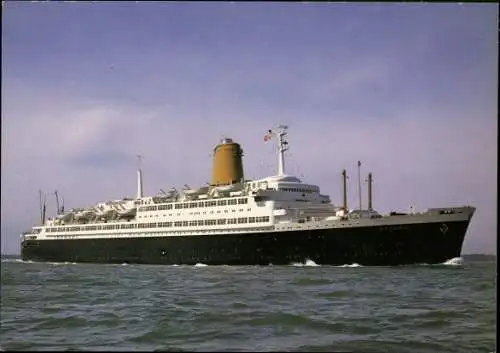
243, 207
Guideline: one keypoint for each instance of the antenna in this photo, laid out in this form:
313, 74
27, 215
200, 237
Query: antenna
359, 185
139, 176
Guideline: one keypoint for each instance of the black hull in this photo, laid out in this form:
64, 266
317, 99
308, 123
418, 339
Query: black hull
370, 246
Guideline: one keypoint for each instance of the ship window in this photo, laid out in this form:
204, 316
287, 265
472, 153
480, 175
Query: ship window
152, 225
251, 219
231, 221
193, 205
178, 223
207, 203
178, 206
232, 202
221, 221
168, 224
221, 203
242, 201
192, 223
184, 223
169, 206
226, 211
201, 222
266, 219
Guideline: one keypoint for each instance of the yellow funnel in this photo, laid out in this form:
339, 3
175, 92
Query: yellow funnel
228, 166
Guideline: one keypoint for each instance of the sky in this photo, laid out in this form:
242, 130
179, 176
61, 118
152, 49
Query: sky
410, 90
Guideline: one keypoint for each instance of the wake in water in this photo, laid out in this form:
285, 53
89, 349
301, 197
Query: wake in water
307, 263
200, 265
456, 261
18, 261
351, 265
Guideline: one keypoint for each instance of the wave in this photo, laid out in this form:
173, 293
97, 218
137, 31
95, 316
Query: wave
18, 261
307, 263
456, 261
355, 264
199, 264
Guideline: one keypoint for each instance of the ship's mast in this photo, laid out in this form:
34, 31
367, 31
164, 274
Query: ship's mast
62, 206
139, 177
57, 202
359, 185
344, 190
370, 182
42, 206
280, 133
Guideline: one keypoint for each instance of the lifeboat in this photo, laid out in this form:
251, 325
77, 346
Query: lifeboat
104, 209
194, 192
126, 209
228, 188
66, 217
84, 214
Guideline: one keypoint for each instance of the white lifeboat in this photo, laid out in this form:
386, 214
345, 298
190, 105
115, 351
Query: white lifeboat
194, 192
228, 188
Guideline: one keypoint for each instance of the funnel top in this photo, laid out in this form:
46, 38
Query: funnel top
226, 140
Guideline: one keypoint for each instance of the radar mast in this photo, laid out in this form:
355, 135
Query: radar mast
280, 132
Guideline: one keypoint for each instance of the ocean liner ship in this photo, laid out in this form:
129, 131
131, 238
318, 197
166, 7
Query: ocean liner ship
232, 221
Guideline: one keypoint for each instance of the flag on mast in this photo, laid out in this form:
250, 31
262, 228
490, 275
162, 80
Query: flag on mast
268, 136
